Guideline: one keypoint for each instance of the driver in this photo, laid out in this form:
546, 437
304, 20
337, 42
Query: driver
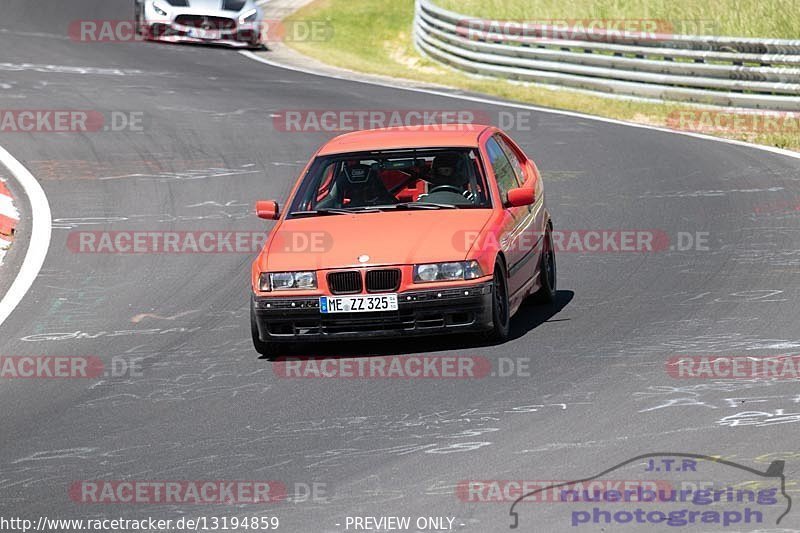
447, 172
448, 179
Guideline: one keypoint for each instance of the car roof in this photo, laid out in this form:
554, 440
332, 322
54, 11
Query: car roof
422, 136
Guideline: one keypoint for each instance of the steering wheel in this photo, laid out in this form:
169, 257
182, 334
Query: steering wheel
449, 187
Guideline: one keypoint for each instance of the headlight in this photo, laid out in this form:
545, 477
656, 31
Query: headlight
447, 271
159, 10
280, 281
248, 16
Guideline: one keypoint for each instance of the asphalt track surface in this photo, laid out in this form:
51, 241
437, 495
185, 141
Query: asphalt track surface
206, 407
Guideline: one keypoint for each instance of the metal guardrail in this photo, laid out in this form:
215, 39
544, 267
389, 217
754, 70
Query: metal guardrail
727, 71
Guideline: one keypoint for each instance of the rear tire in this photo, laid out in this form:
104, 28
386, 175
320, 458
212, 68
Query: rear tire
548, 273
501, 319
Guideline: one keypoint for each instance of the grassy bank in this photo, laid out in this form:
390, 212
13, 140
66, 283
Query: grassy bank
374, 36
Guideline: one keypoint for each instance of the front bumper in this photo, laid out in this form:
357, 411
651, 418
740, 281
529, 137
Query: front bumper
420, 312
186, 25
233, 43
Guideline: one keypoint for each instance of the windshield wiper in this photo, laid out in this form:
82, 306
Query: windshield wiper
333, 211
323, 211
416, 205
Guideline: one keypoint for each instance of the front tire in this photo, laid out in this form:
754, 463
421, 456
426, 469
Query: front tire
137, 20
547, 271
255, 42
267, 349
501, 317
140, 28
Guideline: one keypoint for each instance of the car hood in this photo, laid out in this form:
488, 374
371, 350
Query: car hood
387, 238
214, 5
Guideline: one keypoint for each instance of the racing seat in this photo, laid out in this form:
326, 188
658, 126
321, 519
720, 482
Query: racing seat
361, 185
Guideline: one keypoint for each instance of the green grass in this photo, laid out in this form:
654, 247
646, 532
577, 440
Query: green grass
374, 36
777, 19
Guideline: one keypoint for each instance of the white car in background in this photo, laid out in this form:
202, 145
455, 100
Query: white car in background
235, 23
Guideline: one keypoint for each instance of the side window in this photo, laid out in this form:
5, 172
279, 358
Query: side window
512, 156
503, 171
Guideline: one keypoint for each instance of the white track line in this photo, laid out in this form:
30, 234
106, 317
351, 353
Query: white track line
491, 101
39, 240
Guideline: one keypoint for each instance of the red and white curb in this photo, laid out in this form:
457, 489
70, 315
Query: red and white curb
37, 237
9, 218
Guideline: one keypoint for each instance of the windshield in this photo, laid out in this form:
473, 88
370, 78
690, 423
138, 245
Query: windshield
372, 181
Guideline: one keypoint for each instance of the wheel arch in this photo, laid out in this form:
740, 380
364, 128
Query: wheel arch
502, 259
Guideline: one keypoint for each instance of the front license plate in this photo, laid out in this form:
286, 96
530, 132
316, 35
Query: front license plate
358, 304
206, 35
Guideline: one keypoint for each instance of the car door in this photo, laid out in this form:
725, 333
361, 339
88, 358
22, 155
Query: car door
533, 227
512, 237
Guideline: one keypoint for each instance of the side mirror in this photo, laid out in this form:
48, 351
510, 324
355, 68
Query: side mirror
267, 209
520, 197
